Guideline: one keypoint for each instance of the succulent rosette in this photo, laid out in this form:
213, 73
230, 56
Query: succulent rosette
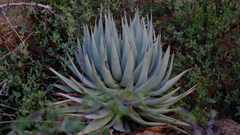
125, 78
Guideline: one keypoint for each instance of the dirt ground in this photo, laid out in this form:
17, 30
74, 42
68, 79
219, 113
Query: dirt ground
219, 127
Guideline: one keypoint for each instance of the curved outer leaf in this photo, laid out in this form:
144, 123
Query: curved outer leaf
150, 48
64, 88
96, 34
164, 119
79, 75
145, 42
79, 48
154, 58
158, 101
164, 116
85, 80
178, 129
108, 41
128, 91
129, 87
79, 58
95, 54
99, 82
115, 63
136, 26
150, 29
126, 48
78, 100
118, 126
159, 57
62, 102
168, 84
145, 87
79, 54
96, 124
123, 38
82, 88
88, 67
135, 117
128, 69
137, 71
113, 121
74, 109
87, 42
155, 110
144, 72
116, 39
99, 114
106, 74
139, 102
99, 30
163, 68
66, 80
144, 83
102, 53
167, 76
173, 100
130, 38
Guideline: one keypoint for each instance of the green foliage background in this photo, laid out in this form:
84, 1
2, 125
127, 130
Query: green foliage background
197, 31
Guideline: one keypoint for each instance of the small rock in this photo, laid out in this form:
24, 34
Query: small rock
226, 127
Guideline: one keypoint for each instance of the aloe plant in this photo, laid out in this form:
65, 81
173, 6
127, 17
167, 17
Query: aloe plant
124, 77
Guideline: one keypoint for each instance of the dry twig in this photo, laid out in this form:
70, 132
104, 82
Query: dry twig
4, 82
27, 4
46, 7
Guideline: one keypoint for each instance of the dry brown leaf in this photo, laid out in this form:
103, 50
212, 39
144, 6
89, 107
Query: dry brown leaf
157, 128
148, 132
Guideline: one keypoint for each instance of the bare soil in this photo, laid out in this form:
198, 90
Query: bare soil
220, 127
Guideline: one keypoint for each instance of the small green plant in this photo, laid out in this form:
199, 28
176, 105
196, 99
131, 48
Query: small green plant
123, 78
48, 121
204, 36
25, 91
